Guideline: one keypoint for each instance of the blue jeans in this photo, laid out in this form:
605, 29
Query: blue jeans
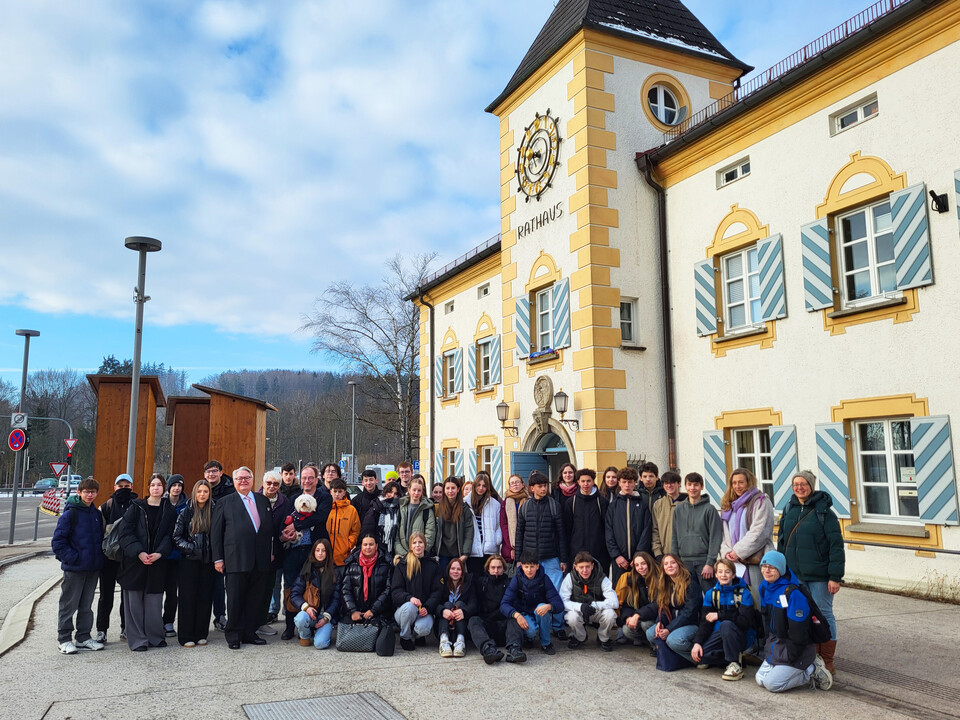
779, 678
305, 626
551, 568
275, 596
824, 600
679, 640
412, 626
537, 624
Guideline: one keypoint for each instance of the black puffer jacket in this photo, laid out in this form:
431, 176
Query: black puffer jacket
351, 588
191, 546
625, 541
584, 517
811, 538
489, 596
135, 539
540, 528
424, 585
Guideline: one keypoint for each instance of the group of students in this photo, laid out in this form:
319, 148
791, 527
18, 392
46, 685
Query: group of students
646, 565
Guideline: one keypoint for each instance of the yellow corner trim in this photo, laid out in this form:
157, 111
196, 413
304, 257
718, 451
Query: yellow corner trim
885, 181
764, 340
544, 272
675, 86
485, 328
885, 406
757, 417
738, 228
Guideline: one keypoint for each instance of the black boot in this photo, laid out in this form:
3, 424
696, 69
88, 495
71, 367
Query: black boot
289, 631
515, 654
490, 653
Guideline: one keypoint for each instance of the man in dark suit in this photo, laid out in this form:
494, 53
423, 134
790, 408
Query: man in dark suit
242, 539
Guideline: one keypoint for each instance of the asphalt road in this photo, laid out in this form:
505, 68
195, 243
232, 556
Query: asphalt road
26, 515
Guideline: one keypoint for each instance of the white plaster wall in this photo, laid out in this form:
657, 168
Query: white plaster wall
808, 371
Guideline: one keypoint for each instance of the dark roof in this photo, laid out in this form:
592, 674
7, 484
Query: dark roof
256, 401
480, 252
152, 380
664, 23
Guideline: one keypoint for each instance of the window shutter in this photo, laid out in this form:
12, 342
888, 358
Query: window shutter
438, 469
911, 237
773, 300
458, 370
438, 376
458, 463
561, 314
472, 464
817, 278
715, 464
705, 297
495, 360
783, 461
496, 469
472, 367
832, 466
522, 326
933, 464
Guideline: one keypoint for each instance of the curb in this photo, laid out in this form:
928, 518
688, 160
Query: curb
20, 558
15, 625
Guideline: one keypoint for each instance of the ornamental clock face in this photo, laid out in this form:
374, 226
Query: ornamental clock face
538, 155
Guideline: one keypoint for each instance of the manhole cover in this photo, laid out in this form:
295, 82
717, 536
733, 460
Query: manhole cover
358, 706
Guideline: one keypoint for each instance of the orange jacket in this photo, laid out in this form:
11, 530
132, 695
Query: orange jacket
343, 527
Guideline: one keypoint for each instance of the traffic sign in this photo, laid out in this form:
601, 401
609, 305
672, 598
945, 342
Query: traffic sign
416, 466
18, 420
70, 443
17, 439
342, 464
58, 468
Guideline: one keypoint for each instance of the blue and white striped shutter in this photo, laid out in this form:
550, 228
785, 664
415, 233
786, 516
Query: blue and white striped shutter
496, 468
472, 464
911, 237
933, 464
438, 376
472, 367
715, 464
438, 470
458, 370
705, 297
458, 463
521, 326
817, 277
495, 360
832, 465
561, 314
783, 460
773, 299
956, 192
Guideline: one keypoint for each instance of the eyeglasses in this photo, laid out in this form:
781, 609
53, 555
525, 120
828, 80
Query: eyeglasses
243, 478
272, 484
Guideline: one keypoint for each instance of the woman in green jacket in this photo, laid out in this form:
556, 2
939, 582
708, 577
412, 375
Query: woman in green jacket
811, 538
416, 515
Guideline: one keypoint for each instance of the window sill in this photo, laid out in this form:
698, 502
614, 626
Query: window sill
736, 336
873, 528
485, 393
545, 356
633, 348
879, 305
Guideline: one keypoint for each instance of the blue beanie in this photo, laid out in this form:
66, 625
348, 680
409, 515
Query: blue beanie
777, 560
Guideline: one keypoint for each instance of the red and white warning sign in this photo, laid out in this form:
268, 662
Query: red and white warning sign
53, 502
58, 468
70, 443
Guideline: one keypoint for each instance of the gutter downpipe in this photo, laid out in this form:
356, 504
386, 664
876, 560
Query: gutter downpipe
646, 168
432, 394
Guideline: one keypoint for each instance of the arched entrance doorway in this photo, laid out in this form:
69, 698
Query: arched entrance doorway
544, 451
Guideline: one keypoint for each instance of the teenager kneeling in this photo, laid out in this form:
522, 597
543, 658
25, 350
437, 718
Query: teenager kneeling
726, 622
588, 594
417, 592
675, 608
528, 602
488, 628
316, 593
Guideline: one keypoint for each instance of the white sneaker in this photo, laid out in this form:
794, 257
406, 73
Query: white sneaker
101, 636
201, 642
459, 647
189, 644
68, 648
822, 678
446, 650
733, 672
266, 630
90, 644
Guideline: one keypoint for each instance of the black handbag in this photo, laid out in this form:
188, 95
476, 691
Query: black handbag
357, 637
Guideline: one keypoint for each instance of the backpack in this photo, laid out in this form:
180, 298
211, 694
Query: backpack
819, 627
111, 541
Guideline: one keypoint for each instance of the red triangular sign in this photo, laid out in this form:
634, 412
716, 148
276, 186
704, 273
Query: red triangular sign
58, 468
70, 443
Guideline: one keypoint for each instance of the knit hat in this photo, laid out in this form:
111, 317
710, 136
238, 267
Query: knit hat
175, 478
809, 477
775, 559
392, 475
121, 477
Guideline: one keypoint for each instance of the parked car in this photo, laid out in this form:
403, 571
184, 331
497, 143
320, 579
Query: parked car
43, 485
74, 482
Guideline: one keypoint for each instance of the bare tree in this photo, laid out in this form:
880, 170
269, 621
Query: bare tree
374, 331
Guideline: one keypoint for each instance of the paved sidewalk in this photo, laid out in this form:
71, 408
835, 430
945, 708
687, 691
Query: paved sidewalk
896, 659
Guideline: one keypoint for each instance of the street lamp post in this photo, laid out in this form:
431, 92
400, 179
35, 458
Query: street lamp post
26, 335
142, 245
353, 432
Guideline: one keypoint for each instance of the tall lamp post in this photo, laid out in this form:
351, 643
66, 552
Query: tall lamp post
26, 335
142, 245
353, 432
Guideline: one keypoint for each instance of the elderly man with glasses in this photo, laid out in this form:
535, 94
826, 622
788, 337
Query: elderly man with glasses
280, 507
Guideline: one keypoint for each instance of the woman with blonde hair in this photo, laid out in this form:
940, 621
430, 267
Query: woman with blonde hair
517, 494
191, 535
746, 514
675, 607
416, 591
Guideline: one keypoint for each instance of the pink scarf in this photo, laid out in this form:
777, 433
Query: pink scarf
366, 567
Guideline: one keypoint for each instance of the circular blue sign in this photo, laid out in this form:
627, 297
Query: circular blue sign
17, 440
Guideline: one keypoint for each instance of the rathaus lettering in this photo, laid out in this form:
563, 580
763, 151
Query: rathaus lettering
538, 221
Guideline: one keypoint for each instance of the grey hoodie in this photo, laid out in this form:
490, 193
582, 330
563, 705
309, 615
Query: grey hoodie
697, 532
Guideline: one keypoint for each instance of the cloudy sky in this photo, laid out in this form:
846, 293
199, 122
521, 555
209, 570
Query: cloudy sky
272, 147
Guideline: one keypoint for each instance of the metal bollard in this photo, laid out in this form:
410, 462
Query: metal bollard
36, 525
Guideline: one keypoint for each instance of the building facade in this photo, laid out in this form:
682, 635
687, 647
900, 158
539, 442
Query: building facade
720, 275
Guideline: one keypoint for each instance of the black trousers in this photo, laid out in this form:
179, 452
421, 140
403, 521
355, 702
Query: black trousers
451, 627
196, 600
482, 631
724, 645
108, 588
170, 583
245, 596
